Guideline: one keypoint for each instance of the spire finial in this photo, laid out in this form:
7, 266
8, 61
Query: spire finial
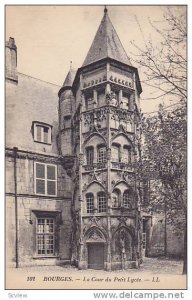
105, 10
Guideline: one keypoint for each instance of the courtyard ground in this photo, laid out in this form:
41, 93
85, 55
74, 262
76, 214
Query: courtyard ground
154, 273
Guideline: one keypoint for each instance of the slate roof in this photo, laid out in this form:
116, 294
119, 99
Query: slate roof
106, 44
70, 78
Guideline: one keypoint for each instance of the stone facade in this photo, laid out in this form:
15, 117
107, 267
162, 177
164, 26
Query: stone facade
99, 133
72, 192
30, 100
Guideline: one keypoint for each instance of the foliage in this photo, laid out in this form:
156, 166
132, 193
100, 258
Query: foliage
165, 152
163, 60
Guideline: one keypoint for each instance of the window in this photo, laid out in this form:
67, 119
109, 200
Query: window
102, 204
114, 98
101, 97
146, 189
127, 154
89, 155
116, 152
115, 95
101, 154
45, 179
67, 122
45, 236
144, 240
127, 199
89, 100
116, 198
125, 100
42, 133
90, 203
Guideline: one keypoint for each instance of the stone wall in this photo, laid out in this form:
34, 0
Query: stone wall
30, 100
28, 202
175, 242
26, 230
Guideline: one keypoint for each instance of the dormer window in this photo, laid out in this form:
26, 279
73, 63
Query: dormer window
42, 132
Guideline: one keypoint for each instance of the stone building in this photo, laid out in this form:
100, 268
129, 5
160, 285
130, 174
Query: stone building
72, 191
38, 192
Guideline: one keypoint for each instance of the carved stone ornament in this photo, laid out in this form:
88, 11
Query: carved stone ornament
81, 158
94, 220
108, 153
95, 236
122, 220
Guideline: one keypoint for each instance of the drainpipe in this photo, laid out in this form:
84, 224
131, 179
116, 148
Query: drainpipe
15, 149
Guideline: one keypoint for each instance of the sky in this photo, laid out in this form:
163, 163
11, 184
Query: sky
49, 37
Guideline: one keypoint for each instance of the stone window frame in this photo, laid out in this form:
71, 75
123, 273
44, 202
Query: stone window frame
101, 155
127, 200
90, 204
144, 240
101, 202
45, 179
56, 216
100, 93
129, 152
42, 128
89, 99
67, 122
116, 197
117, 146
45, 236
126, 100
88, 160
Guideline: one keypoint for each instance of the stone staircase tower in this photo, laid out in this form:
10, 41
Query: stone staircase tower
99, 116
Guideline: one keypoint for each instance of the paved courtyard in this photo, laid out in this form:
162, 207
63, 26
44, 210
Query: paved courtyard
154, 273
149, 265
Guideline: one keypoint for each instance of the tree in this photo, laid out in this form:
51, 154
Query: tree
164, 66
163, 61
165, 152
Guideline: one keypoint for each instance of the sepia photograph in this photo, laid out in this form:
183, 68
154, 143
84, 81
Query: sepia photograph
96, 147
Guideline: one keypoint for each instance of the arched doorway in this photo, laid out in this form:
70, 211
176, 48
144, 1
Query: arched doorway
96, 249
122, 248
95, 256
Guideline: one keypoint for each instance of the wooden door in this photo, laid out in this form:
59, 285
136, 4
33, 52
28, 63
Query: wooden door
96, 256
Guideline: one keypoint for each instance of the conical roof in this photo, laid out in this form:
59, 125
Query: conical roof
106, 44
69, 78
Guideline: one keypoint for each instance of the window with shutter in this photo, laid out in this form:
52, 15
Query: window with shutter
42, 132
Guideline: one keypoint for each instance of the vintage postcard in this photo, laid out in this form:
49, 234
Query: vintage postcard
96, 126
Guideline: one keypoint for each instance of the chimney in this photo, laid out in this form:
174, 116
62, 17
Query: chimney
11, 60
